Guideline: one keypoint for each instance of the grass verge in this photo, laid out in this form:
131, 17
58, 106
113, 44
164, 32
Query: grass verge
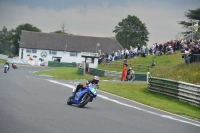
68, 73
2, 61
140, 93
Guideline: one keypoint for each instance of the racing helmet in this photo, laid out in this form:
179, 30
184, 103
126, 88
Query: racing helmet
96, 79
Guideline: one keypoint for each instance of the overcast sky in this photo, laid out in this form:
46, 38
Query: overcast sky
97, 17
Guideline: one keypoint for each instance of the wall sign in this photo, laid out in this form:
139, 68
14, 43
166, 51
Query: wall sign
43, 54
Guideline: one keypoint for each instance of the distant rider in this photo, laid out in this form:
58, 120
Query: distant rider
130, 73
95, 81
14, 65
7, 64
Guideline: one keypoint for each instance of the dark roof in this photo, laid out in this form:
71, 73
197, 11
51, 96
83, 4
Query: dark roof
53, 41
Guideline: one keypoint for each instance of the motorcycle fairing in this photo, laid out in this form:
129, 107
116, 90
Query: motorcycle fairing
79, 95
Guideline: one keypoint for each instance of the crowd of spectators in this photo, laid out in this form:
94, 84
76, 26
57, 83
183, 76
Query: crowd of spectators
124, 53
190, 50
169, 47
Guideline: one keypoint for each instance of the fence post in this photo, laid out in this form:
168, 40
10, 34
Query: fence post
148, 74
84, 68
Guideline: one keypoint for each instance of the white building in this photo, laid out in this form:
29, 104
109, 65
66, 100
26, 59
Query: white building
63, 47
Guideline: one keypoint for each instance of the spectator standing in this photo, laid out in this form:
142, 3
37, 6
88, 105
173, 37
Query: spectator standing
135, 51
143, 49
153, 49
113, 56
119, 54
165, 47
138, 49
122, 53
109, 57
126, 53
146, 50
186, 54
178, 45
116, 56
156, 46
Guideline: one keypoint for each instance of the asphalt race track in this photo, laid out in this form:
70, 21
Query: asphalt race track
37, 104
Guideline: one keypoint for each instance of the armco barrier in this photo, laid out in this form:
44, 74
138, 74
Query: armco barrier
61, 64
98, 72
189, 92
180, 90
141, 77
114, 74
81, 71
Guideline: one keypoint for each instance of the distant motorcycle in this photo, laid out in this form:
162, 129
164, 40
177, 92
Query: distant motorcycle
6, 68
14, 66
83, 96
130, 75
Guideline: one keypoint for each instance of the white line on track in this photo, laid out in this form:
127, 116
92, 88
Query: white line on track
127, 105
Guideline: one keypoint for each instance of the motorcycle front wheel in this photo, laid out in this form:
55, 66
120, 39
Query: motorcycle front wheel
133, 78
69, 102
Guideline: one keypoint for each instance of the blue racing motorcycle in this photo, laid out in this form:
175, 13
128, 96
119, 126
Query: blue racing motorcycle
83, 96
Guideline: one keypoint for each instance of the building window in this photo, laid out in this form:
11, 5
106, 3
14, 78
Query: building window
73, 54
31, 50
28, 50
90, 60
34, 50
52, 52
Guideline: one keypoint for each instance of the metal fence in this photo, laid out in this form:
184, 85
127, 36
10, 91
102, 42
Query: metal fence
81, 71
61, 64
195, 58
180, 90
97, 72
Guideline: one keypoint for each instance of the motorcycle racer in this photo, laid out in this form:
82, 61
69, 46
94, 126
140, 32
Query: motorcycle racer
95, 80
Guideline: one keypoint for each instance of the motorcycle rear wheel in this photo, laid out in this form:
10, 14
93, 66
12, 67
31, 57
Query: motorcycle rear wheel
5, 70
86, 98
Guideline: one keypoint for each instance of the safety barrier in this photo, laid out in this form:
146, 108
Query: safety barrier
114, 74
135, 67
180, 90
61, 64
195, 58
81, 71
98, 72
